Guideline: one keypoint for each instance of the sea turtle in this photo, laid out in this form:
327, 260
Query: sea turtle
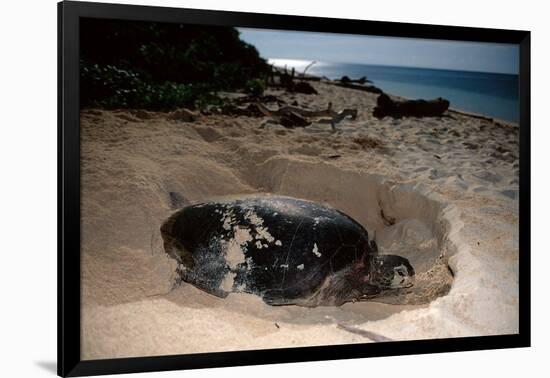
285, 250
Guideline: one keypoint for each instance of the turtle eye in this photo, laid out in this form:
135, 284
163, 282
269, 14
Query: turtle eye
400, 272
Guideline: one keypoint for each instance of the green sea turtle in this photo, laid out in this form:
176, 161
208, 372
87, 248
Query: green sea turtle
285, 250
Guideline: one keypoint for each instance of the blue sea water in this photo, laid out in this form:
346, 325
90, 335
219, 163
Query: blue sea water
491, 94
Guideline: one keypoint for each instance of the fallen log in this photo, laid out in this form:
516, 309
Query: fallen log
385, 106
293, 120
339, 117
286, 80
361, 80
293, 109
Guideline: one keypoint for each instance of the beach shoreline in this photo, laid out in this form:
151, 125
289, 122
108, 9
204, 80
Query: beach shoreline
434, 93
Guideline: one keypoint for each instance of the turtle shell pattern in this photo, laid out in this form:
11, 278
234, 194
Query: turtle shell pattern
279, 248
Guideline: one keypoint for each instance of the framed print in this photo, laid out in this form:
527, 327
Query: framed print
239, 188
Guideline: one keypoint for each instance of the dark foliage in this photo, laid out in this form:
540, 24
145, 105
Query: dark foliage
162, 65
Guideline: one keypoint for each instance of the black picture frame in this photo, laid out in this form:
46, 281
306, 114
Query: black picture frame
69, 361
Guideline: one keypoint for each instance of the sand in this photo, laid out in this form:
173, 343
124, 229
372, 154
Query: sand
441, 191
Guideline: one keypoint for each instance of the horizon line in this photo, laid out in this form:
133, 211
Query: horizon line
308, 61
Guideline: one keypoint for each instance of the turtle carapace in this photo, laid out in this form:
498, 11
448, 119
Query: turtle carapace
285, 250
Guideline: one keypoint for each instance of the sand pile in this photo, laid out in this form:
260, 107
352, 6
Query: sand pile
440, 191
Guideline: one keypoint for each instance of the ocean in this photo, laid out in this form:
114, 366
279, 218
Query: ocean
490, 94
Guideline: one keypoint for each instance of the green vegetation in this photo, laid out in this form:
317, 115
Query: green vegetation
162, 66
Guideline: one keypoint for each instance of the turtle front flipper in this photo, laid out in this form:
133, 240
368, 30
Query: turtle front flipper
189, 276
280, 297
273, 298
373, 247
370, 291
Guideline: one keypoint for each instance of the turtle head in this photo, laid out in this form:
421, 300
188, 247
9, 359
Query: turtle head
390, 272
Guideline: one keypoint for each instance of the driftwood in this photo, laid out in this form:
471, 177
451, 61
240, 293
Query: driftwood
307, 68
339, 117
294, 109
362, 80
250, 111
286, 79
409, 108
287, 82
292, 116
293, 120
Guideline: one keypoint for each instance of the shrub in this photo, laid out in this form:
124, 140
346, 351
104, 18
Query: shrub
161, 66
255, 87
111, 87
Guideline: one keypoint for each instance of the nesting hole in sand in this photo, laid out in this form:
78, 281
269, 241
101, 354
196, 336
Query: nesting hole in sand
401, 218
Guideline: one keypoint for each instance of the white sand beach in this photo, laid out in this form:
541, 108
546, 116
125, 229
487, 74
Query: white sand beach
441, 191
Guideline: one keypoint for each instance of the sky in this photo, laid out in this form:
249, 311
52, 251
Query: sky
391, 51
